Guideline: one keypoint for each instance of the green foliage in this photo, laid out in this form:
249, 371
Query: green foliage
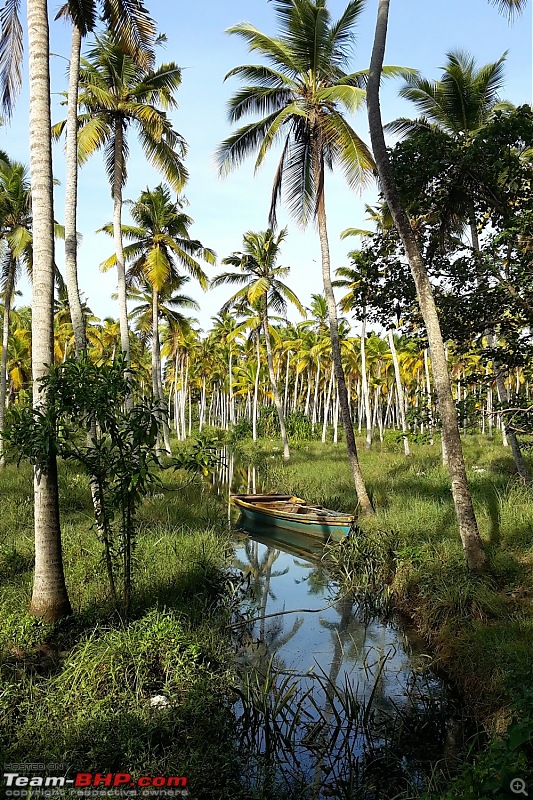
490, 774
118, 456
201, 457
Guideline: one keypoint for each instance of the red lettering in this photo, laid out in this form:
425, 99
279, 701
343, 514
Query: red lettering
83, 779
176, 781
159, 781
144, 781
121, 777
106, 780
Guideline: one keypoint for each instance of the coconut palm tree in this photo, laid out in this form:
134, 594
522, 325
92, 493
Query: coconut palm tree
135, 30
160, 244
304, 90
49, 597
116, 94
471, 540
263, 287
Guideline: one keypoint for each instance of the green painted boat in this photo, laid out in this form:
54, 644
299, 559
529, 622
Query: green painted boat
292, 514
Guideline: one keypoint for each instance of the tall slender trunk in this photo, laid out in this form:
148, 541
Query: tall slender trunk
315, 397
118, 177
49, 598
364, 384
71, 197
231, 398
360, 488
326, 405
274, 383
157, 387
8, 296
428, 395
256, 390
286, 391
399, 393
471, 540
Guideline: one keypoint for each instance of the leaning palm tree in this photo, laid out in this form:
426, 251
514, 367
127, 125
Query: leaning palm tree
471, 540
116, 94
304, 91
262, 287
160, 246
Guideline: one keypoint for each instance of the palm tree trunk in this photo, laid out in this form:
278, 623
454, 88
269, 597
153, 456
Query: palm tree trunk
315, 397
157, 390
8, 296
471, 540
326, 406
399, 393
274, 384
118, 177
256, 391
71, 197
364, 384
49, 598
231, 398
360, 488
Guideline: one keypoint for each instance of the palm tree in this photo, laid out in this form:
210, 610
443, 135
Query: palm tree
49, 598
15, 231
458, 105
115, 94
263, 287
134, 29
471, 540
160, 244
304, 89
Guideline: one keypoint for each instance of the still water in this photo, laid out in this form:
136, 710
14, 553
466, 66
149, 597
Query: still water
337, 701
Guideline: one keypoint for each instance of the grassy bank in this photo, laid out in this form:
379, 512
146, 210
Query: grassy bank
81, 692
410, 557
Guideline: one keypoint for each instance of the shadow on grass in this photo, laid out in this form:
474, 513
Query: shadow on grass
193, 737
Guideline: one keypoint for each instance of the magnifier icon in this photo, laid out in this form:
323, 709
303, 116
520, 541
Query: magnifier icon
518, 786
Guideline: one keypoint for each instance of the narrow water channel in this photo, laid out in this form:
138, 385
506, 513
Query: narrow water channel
335, 703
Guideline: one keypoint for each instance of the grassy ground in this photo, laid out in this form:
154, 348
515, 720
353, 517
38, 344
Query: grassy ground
482, 629
410, 555
80, 692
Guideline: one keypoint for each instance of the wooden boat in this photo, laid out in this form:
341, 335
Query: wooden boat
293, 514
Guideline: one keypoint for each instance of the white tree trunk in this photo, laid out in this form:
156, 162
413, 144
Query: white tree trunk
49, 598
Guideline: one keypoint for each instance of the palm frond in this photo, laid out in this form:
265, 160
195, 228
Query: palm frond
242, 143
350, 151
11, 50
275, 50
133, 28
257, 100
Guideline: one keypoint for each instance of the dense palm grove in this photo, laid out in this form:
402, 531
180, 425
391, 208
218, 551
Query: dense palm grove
418, 349
444, 273
199, 391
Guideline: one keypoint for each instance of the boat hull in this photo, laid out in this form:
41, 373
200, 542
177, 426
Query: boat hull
254, 516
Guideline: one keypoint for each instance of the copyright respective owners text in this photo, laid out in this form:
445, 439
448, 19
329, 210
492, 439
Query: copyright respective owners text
39, 780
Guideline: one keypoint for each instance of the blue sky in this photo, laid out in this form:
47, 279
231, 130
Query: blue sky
421, 32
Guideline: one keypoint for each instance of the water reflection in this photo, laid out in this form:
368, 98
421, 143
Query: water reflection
356, 677
334, 703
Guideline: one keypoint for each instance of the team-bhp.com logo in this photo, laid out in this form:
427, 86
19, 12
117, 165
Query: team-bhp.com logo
17, 785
